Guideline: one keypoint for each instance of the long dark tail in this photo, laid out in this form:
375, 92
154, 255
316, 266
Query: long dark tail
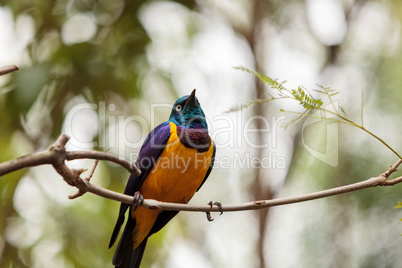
125, 256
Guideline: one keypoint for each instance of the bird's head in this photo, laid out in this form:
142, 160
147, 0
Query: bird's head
186, 111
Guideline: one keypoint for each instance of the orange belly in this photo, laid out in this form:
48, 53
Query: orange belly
175, 177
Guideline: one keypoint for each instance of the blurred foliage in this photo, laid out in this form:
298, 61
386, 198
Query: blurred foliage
107, 67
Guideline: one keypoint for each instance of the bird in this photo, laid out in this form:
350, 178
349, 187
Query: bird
175, 160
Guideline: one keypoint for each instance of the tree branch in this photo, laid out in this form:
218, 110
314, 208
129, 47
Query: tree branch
57, 154
72, 155
58, 150
372, 182
8, 69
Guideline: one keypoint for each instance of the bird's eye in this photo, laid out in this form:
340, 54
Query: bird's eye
178, 108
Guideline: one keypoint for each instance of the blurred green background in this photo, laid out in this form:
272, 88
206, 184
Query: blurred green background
106, 73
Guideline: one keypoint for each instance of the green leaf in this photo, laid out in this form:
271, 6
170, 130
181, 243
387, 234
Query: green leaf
319, 91
343, 111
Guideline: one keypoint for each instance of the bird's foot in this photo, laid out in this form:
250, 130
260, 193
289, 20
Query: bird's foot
137, 200
219, 204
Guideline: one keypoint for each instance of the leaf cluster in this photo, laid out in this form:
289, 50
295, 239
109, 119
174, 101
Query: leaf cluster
332, 112
301, 94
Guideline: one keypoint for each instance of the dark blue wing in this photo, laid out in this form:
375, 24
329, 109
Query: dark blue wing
150, 151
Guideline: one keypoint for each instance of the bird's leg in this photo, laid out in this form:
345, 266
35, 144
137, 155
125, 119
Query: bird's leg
137, 200
219, 204
209, 218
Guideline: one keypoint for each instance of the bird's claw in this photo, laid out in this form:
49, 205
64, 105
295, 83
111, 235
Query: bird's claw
137, 200
219, 204
209, 217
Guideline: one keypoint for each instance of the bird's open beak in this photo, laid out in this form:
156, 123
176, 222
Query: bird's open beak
191, 101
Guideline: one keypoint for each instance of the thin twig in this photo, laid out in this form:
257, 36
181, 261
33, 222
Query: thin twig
362, 109
392, 169
88, 178
8, 69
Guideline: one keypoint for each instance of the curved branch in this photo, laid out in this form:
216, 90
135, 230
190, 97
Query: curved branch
58, 153
72, 155
56, 156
